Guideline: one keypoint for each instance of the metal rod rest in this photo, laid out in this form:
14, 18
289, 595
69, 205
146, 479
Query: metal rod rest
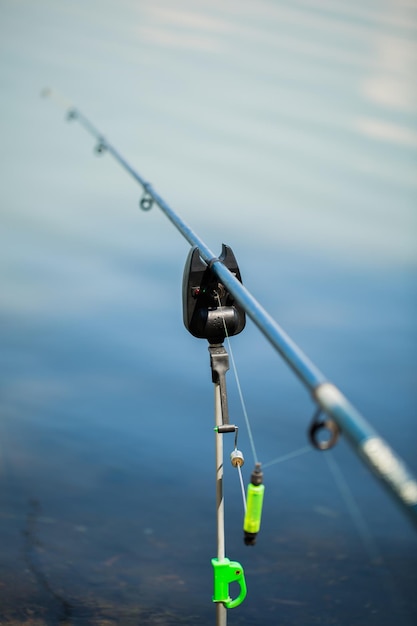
371, 449
221, 611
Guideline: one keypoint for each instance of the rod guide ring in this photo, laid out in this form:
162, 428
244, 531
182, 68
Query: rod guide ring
146, 202
320, 427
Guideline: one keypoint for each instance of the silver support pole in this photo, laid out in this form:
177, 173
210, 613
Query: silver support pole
221, 611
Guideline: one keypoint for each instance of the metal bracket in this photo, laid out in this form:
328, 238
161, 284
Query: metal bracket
219, 363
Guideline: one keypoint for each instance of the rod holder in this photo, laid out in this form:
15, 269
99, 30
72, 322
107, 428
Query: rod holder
225, 573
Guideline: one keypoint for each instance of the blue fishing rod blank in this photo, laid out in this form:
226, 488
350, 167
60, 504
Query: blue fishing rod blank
376, 453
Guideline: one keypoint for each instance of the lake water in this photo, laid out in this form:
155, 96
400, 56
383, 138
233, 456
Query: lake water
287, 130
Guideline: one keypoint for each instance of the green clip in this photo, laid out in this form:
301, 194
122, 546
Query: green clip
226, 572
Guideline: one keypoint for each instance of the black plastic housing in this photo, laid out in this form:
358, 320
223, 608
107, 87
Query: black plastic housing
207, 305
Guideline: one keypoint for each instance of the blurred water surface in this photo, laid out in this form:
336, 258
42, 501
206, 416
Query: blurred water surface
287, 130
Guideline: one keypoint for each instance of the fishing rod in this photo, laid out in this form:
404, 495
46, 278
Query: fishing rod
340, 416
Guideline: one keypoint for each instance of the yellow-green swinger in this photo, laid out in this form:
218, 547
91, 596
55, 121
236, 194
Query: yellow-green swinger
254, 502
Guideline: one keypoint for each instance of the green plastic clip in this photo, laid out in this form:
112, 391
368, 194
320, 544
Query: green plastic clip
226, 572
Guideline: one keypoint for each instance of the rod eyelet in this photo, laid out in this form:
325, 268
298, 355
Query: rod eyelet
146, 202
322, 426
100, 148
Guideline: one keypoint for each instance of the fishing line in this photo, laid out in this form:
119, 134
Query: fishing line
280, 459
239, 388
287, 457
242, 486
354, 511
364, 532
